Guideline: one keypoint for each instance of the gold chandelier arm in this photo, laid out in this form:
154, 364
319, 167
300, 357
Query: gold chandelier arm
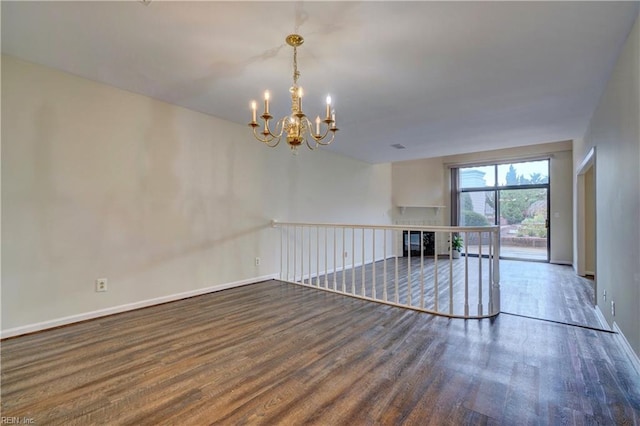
268, 139
321, 141
320, 138
309, 145
267, 136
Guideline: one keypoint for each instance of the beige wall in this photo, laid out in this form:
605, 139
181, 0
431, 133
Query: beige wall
99, 182
561, 208
418, 183
417, 194
589, 222
413, 179
615, 134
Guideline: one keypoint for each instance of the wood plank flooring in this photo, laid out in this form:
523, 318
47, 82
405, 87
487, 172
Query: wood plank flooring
277, 353
546, 291
539, 290
416, 285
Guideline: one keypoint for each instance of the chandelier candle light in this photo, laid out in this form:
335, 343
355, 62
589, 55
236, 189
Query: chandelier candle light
297, 127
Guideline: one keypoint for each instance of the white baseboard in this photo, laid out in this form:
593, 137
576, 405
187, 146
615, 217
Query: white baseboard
31, 328
603, 322
626, 347
561, 262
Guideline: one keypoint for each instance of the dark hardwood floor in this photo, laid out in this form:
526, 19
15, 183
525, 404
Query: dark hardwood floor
546, 291
421, 286
278, 353
535, 289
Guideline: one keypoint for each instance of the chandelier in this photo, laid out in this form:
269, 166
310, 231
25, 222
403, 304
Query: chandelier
297, 128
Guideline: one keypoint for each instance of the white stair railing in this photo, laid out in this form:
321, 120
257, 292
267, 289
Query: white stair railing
400, 265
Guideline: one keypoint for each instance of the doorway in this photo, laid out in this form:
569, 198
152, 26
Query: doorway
586, 219
523, 219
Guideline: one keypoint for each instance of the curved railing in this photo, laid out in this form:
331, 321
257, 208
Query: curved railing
401, 265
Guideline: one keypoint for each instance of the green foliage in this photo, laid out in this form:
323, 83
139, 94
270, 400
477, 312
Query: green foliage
489, 200
515, 203
535, 178
467, 203
471, 218
456, 242
511, 177
533, 227
513, 211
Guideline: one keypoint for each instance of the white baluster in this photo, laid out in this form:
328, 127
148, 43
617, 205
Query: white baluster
344, 261
353, 260
395, 250
373, 262
364, 292
480, 309
384, 264
450, 273
466, 274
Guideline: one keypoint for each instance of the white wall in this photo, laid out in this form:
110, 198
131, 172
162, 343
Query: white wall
407, 180
99, 182
615, 134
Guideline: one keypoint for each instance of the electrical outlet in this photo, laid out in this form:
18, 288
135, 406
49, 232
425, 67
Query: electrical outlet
101, 284
257, 261
604, 295
613, 308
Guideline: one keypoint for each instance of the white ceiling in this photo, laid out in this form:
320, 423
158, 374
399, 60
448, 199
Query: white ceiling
440, 78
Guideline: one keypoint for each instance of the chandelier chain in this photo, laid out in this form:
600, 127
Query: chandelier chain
296, 73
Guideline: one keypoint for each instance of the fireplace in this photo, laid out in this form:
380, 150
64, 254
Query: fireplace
411, 243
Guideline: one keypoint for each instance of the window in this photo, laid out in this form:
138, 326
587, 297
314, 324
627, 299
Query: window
514, 196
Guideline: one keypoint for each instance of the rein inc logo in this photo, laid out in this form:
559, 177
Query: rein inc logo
15, 420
